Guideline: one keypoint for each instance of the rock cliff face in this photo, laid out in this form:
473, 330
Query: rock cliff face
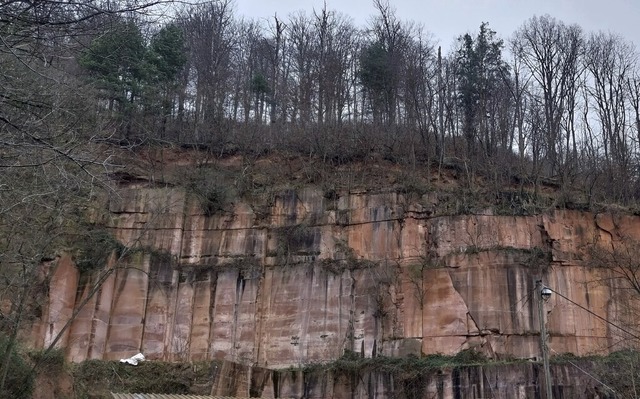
372, 273
522, 380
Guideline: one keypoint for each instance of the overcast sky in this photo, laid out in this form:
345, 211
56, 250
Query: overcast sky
448, 19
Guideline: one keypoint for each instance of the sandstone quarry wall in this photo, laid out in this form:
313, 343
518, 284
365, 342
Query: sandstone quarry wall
512, 381
372, 273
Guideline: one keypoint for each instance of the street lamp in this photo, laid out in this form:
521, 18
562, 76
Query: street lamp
543, 294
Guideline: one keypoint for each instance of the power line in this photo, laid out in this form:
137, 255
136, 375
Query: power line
596, 315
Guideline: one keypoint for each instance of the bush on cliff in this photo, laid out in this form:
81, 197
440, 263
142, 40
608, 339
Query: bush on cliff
18, 383
96, 378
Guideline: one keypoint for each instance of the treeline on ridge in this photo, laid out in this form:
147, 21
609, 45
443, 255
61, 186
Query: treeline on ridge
552, 101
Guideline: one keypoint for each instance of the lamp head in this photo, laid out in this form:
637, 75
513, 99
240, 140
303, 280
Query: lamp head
545, 293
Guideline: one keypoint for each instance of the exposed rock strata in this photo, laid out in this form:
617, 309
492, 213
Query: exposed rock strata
370, 273
511, 381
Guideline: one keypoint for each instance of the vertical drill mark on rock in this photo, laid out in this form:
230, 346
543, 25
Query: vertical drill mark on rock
305, 308
101, 319
212, 308
350, 333
512, 293
145, 269
172, 304
341, 333
189, 349
240, 283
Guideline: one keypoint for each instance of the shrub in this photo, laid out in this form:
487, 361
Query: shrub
19, 381
469, 357
295, 239
213, 193
411, 184
49, 361
95, 378
213, 199
95, 248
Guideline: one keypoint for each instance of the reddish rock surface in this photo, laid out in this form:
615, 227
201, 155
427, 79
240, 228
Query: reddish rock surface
522, 380
370, 273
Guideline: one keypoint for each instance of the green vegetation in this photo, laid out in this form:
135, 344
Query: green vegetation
211, 188
51, 360
296, 239
339, 266
535, 256
19, 380
127, 72
94, 248
618, 372
412, 184
247, 266
346, 259
404, 367
96, 378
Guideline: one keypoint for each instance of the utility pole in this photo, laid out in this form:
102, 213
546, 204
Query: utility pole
543, 293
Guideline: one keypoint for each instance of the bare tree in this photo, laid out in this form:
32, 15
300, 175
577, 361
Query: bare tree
551, 51
302, 37
210, 38
274, 48
610, 62
334, 44
383, 61
633, 85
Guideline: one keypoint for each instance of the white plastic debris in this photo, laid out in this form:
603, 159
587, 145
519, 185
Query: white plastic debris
133, 360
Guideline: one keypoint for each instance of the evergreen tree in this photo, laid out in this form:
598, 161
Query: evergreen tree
480, 73
116, 62
167, 54
133, 76
375, 75
165, 59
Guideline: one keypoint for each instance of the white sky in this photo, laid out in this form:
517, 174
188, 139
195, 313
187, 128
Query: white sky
448, 19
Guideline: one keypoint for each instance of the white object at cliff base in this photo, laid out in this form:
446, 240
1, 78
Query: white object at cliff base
134, 360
